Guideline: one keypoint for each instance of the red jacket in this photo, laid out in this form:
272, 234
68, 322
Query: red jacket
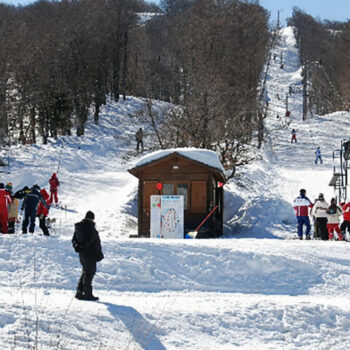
5, 198
346, 211
41, 207
301, 206
54, 183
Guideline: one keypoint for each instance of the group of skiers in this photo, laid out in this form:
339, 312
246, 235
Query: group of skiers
327, 217
318, 149
35, 202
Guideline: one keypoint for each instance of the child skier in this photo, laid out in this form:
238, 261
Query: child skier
318, 155
54, 183
294, 136
43, 212
334, 212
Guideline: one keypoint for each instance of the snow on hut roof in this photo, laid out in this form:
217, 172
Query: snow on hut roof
204, 156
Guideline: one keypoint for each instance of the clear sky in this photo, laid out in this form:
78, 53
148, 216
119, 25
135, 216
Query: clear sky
324, 9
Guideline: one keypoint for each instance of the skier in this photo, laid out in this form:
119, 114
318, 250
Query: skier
5, 200
12, 209
54, 183
318, 211
345, 225
139, 139
301, 206
334, 212
29, 205
318, 155
42, 212
87, 242
294, 136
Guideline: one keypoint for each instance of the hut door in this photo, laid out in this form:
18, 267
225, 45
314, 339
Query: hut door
198, 196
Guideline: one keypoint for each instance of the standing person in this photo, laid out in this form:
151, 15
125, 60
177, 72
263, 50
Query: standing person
30, 205
54, 183
318, 155
319, 212
294, 136
334, 212
301, 206
12, 209
139, 139
87, 242
345, 225
5, 200
43, 212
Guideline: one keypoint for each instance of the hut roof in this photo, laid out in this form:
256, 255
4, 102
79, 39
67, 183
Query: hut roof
203, 156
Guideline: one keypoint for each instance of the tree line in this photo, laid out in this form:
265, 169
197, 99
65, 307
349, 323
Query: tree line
325, 55
59, 60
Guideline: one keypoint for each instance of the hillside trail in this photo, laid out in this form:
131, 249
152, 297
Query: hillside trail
293, 164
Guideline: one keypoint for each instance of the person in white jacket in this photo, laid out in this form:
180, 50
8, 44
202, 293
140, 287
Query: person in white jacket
319, 213
334, 212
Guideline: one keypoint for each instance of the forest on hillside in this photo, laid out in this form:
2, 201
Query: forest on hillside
325, 55
59, 60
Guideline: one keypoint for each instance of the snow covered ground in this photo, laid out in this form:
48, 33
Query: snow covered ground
253, 289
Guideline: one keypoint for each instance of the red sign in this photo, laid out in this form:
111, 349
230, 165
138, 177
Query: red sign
220, 184
159, 186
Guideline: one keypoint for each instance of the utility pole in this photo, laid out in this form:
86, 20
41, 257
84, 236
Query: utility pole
286, 103
278, 19
305, 93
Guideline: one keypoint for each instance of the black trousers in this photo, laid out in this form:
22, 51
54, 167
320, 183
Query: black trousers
29, 215
322, 228
345, 225
42, 224
88, 273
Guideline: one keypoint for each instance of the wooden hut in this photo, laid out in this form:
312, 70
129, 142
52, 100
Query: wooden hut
196, 174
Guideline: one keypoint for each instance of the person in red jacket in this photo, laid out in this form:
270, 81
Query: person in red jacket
5, 200
43, 212
345, 225
54, 183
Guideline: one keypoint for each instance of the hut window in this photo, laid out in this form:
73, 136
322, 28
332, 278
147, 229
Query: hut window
182, 189
168, 189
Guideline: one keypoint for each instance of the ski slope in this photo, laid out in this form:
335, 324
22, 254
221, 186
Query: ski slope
252, 289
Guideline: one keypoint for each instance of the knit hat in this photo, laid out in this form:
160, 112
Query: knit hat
9, 186
2, 185
302, 191
321, 196
90, 215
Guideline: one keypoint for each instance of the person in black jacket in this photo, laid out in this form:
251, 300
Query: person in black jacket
87, 242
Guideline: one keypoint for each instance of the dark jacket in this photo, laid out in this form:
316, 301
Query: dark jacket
87, 236
32, 199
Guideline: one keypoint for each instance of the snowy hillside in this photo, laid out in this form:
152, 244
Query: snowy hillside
253, 289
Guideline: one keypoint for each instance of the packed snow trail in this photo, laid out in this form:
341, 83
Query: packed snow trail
266, 211
246, 292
